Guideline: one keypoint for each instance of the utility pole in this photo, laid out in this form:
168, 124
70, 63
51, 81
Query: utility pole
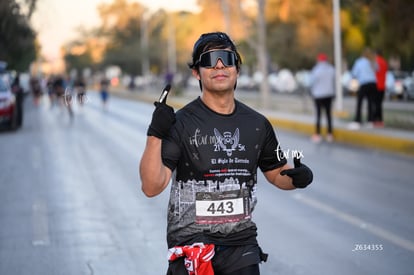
144, 46
262, 53
226, 15
338, 56
172, 53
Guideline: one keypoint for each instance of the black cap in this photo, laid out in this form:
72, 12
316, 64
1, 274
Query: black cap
212, 40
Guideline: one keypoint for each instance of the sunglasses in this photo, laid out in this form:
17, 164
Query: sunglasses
209, 59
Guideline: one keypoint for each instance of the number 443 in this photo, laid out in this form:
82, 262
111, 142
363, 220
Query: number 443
221, 207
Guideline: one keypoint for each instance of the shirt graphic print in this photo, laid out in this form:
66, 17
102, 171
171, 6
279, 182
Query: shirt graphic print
215, 159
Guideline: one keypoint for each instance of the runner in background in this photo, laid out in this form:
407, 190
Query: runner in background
80, 88
104, 92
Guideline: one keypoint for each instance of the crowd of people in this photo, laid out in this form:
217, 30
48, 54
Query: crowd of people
369, 70
65, 91
62, 92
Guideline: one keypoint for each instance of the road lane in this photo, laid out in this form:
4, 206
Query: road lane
70, 202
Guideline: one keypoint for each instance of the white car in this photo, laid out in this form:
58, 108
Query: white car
285, 82
8, 108
399, 84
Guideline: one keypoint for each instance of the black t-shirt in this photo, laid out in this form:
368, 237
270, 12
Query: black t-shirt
211, 152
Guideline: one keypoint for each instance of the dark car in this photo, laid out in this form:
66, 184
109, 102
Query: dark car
8, 109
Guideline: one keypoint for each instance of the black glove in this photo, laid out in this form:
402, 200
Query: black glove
163, 119
301, 175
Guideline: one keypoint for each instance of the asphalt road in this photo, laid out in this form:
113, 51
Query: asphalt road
70, 201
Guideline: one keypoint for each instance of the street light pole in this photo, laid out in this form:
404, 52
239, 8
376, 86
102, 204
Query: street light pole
172, 52
144, 46
338, 55
226, 13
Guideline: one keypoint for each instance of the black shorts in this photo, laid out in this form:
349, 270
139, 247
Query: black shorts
227, 259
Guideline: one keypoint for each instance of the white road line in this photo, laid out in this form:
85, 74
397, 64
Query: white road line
40, 224
373, 229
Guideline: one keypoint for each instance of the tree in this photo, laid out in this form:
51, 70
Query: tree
123, 31
386, 25
297, 31
17, 38
78, 57
390, 28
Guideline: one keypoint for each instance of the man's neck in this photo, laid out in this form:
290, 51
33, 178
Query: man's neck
220, 103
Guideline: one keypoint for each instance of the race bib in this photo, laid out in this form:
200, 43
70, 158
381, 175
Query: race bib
222, 207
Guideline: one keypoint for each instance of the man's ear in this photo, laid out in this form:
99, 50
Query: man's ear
196, 74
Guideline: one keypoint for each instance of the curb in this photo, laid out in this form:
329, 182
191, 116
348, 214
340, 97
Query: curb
357, 138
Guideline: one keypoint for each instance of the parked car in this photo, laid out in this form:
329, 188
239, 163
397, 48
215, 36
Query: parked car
283, 82
8, 109
303, 79
245, 82
350, 85
399, 84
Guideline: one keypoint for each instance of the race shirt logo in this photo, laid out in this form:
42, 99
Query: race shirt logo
227, 142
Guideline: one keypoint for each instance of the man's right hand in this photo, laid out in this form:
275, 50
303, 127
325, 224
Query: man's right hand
163, 119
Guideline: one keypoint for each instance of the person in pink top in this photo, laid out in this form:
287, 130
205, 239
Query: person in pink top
379, 96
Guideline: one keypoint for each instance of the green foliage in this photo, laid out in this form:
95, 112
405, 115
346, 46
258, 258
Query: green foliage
296, 31
125, 46
78, 61
124, 49
17, 39
385, 25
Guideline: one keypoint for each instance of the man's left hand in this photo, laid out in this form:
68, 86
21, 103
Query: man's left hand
301, 175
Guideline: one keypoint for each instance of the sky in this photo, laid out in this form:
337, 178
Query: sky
56, 21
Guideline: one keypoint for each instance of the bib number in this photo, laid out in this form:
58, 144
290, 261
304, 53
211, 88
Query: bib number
222, 207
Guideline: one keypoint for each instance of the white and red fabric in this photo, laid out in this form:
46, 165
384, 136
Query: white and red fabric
197, 259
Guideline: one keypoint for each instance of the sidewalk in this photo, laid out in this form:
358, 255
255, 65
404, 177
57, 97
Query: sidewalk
295, 114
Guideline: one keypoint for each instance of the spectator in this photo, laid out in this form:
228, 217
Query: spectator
18, 92
323, 92
364, 72
381, 74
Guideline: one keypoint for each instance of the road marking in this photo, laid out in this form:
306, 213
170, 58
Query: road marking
373, 229
40, 224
